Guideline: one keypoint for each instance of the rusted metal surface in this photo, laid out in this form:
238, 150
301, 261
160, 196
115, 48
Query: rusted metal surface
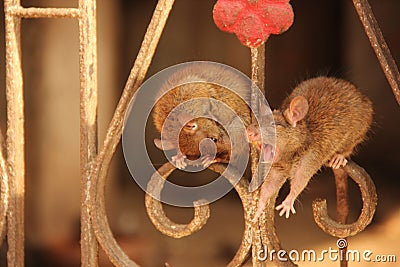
15, 137
257, 76
342, 205
201, 212
379, 45
4, 193
100, 168
242, 188
257, 73
263, 231
15, 123
88, 124
369, 198
342, 198
34, 12
88, 57
94, 167
156, 212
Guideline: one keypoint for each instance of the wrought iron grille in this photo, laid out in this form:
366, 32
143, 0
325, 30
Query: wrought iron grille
95, 230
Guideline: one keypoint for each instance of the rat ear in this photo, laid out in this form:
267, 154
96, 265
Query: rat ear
164, 145
297, 110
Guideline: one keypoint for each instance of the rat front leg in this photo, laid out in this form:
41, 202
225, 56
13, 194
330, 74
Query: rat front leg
207, 160
270, 186
300, 177
179, 160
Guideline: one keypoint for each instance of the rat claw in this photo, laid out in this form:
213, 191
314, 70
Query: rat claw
179, 161
287, 214
286, 208
335, 164
207, 160
337, 161
293, 210
285, 211
345, 162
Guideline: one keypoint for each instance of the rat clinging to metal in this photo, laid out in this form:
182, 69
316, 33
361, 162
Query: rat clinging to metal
319, 123
191, 98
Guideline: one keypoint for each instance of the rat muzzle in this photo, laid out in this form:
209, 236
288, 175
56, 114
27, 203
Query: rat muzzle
267, 153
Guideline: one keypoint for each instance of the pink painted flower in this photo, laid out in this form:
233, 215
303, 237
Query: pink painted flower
253, 21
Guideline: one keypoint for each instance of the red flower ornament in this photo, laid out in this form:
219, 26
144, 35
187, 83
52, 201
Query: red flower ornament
253, 21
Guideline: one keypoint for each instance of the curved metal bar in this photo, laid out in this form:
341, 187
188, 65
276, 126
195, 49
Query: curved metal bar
202, 213
242, 188
263, 230
157, 214
98, 172
369, 197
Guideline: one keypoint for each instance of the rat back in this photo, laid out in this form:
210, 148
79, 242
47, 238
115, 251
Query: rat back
206, 81
338, 118
203, 80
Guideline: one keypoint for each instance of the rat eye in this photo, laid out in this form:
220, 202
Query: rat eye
272, 123
214, 139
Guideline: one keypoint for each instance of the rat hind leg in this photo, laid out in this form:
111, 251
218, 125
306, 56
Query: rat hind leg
339, 160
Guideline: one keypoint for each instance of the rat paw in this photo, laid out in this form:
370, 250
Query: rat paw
286, 207
337, 161
207, 160
179, 161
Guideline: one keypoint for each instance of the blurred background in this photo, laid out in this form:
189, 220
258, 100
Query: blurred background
327, 38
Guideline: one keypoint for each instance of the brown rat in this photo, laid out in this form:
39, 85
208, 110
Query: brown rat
319, 123
186, 129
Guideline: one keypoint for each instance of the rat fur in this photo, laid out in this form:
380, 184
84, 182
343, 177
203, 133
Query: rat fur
319, 123
186, 129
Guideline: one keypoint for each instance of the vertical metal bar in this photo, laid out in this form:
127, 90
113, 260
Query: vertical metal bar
342, 205
88, 124
264, 233
257, 76
258, 66
15, 137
